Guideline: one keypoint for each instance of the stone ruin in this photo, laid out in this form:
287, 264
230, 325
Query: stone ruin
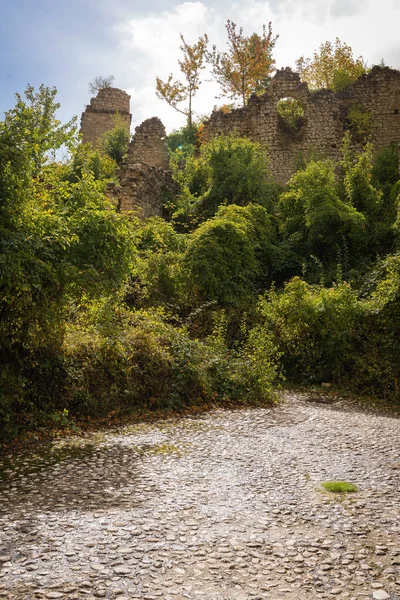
145, 178
99, 115
325, 116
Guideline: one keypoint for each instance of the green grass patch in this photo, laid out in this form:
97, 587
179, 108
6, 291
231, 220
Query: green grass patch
340, 487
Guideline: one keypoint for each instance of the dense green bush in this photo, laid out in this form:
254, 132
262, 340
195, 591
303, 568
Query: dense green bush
377, 358
330, 334
142, 362
314, 328
227, 254
157, 277
314, 219
114, 143
59, 239
229, 170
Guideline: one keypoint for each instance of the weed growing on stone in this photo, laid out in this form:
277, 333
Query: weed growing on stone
339, 487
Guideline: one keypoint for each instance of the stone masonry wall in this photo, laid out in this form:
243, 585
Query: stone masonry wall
142, 188
99, 115
149, 144
145, 178
325, 115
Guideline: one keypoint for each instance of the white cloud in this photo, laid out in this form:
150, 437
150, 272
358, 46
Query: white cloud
150, 45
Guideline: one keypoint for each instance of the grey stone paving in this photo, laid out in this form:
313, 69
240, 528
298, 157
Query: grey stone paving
226, 506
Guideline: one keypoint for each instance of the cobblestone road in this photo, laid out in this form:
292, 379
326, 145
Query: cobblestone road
225, 506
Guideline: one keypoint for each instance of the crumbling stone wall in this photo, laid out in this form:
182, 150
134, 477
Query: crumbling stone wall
145, 178
142, 188
149, 144
99, 115
325, 118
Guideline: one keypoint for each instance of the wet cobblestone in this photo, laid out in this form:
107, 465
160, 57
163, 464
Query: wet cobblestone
225, 506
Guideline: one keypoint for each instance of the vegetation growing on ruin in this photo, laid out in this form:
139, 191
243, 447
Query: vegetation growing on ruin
291, 115
333, 67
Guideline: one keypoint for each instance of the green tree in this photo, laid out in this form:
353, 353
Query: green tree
333, 67
315, 221
115, 142
229, 170
191, 65
226, 255
59, 241
247, 65
361, 193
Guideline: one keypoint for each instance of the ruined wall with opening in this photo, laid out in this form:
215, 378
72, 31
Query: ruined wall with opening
325, 118
99, 115
144, 177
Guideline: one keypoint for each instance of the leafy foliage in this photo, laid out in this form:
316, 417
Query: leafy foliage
359, 121
227, 254
191, 65
333, 67
114, 143
314, 328
184, 139
314, 219
60, 239
101, 312
291, 114
229, 170
247, 65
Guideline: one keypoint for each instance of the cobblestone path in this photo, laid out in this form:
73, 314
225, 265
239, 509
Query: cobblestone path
225, 506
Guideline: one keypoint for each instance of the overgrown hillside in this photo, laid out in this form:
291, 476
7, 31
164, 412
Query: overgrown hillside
242, 285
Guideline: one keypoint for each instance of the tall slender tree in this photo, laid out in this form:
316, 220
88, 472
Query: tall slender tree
176, 92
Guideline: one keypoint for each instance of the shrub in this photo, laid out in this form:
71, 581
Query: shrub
291, 115
329, 334
377, 360
314, 220
144, 363
227, 254
314, 328
229, 170
359, 121
157, 274
114, 143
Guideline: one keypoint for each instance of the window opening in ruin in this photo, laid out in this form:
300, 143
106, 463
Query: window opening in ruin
291, 115
359, 121
396, 111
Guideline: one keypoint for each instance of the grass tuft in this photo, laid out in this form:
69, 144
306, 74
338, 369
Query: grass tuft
339, 487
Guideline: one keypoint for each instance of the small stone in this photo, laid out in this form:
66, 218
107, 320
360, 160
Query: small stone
121, 570
380, 595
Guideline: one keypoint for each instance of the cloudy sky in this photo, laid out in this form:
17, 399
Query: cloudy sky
66, 43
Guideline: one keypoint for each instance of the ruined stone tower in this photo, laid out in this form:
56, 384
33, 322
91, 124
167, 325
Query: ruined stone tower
99, 115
